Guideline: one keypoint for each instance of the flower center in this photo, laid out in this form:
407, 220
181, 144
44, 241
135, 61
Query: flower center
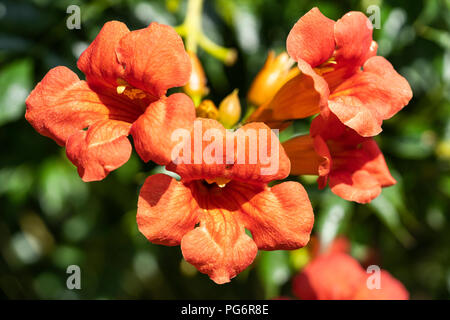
326, 67
220, 181
131, 92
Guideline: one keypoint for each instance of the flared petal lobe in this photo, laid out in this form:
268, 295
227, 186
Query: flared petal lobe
166, 210
153, 130
61, 105
367, 98
279, 218
252, 153
154, 59
312, 38
219, 247
104, 147
99, 61
353, 36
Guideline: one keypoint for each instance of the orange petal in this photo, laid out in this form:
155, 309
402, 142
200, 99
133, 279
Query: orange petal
99, 61
166, 210
261, 144
363, 101
391, 289
102, 148
334, 276
354, 165
154, 59
61, 105
312, 38
153, 130
219, 247
363, 175
358, 185
246, 157
301, 97
353, 35
280, 218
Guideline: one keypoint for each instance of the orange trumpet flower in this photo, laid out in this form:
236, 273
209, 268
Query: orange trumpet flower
127, 77
208, 210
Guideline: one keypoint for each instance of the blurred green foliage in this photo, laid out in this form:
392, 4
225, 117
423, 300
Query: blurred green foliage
50, 219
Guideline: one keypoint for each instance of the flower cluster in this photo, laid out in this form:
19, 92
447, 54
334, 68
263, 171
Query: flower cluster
352, 89
225, 185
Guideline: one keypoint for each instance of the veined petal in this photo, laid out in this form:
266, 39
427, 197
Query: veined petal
154, 59
102, 148
252, 153
202, 153
166, 210
367, 98
334, 276
153, 130
357, 185
61, 105
391, 289
219, 247
259, 155
353, 35
99, 61
279, 218
376, 165
312, 38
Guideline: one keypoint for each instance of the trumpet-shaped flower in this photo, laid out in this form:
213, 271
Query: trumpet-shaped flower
127, 76
341, 75
353, 166
219, 196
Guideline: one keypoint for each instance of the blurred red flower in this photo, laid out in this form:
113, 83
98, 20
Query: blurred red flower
127, 76
338, 276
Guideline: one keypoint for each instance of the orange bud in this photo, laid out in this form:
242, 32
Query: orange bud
275, 72
196, 87
230, 110
207, 109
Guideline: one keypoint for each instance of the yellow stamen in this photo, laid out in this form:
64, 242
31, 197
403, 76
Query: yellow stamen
325, 67
121, 89
132, 93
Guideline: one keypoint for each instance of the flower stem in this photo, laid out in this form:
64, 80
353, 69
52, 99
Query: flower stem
191, 31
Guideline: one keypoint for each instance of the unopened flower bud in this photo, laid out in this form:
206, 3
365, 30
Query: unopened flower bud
196, 87
230, 110
276, 71
207, 109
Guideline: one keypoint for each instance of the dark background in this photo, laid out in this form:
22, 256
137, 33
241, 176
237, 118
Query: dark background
50, 219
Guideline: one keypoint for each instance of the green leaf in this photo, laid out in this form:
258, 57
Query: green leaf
15, 84
389, 215
273, 270
334, 213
